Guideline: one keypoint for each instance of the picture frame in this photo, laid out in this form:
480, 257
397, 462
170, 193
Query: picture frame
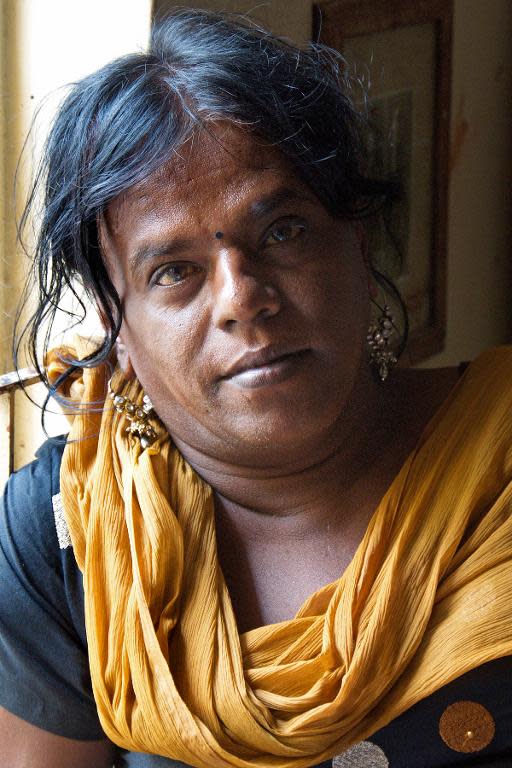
400, 50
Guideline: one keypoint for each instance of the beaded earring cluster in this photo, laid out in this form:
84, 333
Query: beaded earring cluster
378, 339
137, 415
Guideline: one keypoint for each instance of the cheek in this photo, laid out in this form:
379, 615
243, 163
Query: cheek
166, 351
336, 300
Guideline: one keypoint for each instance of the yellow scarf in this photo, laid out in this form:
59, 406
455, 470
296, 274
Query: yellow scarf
425, 599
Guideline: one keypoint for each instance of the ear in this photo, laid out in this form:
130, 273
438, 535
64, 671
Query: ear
123, 358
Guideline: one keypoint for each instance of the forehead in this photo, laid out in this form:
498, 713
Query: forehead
215, 164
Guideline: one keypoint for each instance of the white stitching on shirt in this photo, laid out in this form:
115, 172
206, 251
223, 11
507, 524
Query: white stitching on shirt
60, 522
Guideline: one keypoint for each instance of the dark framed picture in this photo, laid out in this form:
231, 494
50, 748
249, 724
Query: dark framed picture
400, 50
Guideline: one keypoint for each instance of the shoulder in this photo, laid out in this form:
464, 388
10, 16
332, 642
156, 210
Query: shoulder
484, 393
30, 511
44, 676
42, 474
35, 546
36, 556
484, 382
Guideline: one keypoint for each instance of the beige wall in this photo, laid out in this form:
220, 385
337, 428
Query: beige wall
45, 44
479, 290
10, 145
480, 208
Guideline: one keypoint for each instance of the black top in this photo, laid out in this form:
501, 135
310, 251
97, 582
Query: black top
44, 672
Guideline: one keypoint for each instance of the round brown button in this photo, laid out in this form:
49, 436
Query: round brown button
466, 726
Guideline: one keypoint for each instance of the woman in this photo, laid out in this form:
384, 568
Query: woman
252, 550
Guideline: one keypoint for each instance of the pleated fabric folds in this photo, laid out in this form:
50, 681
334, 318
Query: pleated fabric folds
425, 599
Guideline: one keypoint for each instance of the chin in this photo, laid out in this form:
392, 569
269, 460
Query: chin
282, 434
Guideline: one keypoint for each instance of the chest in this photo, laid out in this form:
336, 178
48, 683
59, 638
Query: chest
270, 579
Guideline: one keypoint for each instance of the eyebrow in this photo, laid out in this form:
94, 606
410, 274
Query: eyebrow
280, 196
260, 208
149, 252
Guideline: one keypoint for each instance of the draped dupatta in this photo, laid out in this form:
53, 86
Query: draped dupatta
425, 599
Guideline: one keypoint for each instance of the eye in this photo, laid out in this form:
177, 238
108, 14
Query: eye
282, 233
172, 274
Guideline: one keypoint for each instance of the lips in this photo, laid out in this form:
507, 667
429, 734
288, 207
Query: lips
266, 365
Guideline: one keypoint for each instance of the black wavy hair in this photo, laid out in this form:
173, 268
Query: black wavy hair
121, 123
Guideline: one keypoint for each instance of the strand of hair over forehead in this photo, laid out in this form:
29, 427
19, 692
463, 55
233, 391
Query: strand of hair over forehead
120, 124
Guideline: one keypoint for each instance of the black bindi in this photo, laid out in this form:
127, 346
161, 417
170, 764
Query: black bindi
219, 235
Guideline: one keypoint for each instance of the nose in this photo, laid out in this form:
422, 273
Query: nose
242, 290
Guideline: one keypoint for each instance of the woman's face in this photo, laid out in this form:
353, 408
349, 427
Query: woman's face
245, 304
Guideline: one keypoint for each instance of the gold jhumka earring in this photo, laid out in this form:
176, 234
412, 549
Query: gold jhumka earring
137, 415
380, 332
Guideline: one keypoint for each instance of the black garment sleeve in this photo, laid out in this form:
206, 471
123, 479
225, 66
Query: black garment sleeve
44, 671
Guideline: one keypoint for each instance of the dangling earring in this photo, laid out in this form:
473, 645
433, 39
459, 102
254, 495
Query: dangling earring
380, 332
137, 415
